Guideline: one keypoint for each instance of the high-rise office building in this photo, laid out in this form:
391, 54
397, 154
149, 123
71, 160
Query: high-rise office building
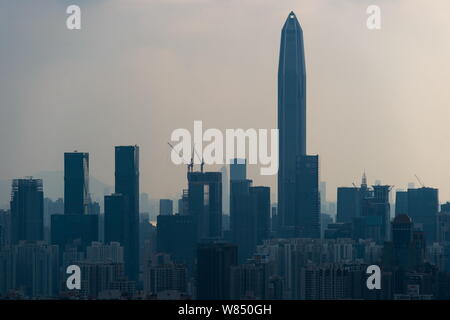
261, 203
402, 238
249, 213
242, 213
407, 248
205, 203
423, 207
183, 203
52, 207
27, 210
127, 184
298, 194
348, 204
291, 116
73, 230
116, 208
238, 169
376, 213
214, 263
307, 202
177, 236
76, 183
401, 202
165, 207
242, 218
76, 228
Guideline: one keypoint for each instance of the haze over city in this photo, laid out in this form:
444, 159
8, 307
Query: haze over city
377, 100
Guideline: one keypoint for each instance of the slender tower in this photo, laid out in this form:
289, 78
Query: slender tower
291, 118
127, 184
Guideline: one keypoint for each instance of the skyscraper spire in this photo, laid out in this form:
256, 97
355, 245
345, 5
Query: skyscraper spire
364, 179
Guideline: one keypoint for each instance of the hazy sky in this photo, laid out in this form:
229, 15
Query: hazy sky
377, 100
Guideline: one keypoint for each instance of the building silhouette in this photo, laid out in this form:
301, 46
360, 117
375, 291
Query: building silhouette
165, 207
298, 192
127, 184
291, 116
27, 210
214, 263
406, 251
163, 275
307, 219
116, 208
36, 269
423, 207
205, 203
76, 183
238, 169
401, 202
72, 230
402, 239
362, 213
177, 236
249, 211
376, 213
75, 228
261, 200
348, 204
242, 218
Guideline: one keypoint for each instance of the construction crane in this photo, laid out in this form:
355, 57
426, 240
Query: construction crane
420, 182
190, 165
201, 159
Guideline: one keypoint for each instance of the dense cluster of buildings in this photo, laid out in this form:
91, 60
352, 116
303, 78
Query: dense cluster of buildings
227, 239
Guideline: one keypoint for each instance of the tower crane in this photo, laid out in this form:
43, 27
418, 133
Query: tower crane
420, 181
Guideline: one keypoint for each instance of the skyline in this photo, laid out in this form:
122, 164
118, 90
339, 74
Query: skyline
333, 138
221, 234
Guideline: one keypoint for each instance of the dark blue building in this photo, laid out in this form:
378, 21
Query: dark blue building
214, 262
75, 228
127, 184
291, 117
423, 208
242, 218
27, 210
116, 208
205, 203
307, 200
261, 200
348, 204
76, 183
177, 236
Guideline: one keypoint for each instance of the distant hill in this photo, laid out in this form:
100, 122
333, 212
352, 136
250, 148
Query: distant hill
53, 182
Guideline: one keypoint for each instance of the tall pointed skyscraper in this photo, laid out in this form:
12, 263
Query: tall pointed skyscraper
297, 203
